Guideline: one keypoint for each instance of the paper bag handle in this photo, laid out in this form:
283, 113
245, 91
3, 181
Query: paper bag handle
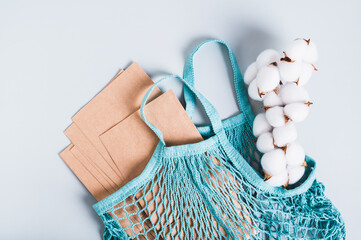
241, 92
208, 107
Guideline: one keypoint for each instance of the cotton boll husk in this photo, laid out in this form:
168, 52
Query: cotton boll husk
297, 112
278, 180
274, 162
285, 134
291, 93
296, 50
305, 74
272, 99
265, 142
295, 174
250, 73
311, 54
295, 155
261, 125
267, 57
268, 78
275, 116
289, 71
253, 91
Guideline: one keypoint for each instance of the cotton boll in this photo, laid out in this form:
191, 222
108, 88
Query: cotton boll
272, 99
268, 78
253, 91
295, 174
261, 125
267, 57
265, 142
297, 112
274, 162
285, 134
289, 71
275, 116
296, 50
278, 180
291, 93
295, 155
305, 73
311, 54
251, 73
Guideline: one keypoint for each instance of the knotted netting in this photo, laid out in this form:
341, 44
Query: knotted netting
209, 190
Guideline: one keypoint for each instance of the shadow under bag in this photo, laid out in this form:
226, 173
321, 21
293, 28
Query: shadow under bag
209, 190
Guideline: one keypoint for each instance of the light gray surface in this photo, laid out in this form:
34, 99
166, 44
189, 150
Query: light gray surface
56, 55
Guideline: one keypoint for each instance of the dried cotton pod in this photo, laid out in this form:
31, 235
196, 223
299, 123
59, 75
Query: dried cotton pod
291, 93
272, 99
289, 71
278, 180
311, 54
274, 162
268, 78
265, 142
305, 73
295, 174
267, 57
261, 125
275, 116
296, 50
285, 134
295, 155
250, 73
297, 112
253, 91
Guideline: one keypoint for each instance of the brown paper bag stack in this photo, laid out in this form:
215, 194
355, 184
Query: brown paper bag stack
107, 133
111, 145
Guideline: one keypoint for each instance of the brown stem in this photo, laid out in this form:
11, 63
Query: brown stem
286, 58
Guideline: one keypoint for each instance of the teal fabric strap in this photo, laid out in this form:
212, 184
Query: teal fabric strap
208, 107
241, 92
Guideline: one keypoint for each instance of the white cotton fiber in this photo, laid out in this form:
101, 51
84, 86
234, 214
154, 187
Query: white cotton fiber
261, 125
285, 134
250, 73
305, 73
275, 116
297, 112
291, 93
295, 155
289, 71
295, 174
267, 57
265, 142
278, 180
253, 91
272, 99
311, 54
274, 162
268, 78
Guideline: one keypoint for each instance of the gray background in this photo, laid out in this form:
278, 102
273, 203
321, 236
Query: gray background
56, 55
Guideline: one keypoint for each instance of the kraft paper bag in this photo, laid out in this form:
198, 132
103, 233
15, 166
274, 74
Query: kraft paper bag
131, 144
81, 171
160, 111
89, 153
77, 137
118, 100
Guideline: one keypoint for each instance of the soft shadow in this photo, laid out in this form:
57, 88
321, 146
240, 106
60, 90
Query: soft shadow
250, 43
90, 201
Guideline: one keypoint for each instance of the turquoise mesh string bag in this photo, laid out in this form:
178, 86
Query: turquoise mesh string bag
326, 220
207, 190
